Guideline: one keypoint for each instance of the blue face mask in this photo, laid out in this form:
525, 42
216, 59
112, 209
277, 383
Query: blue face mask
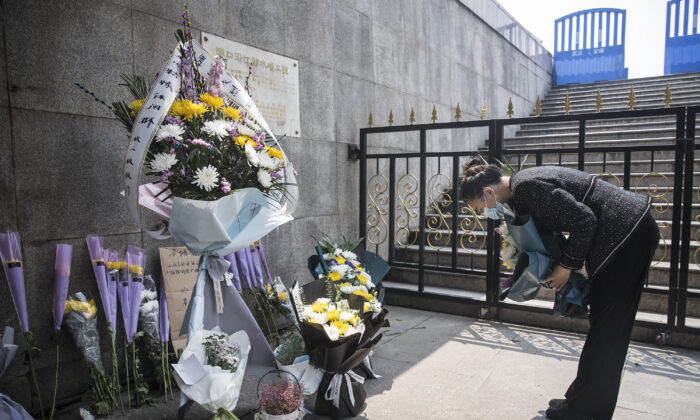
495, 213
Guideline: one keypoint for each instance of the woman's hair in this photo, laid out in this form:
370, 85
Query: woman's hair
478, 175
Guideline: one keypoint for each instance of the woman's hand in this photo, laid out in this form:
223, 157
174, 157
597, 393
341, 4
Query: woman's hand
559, 277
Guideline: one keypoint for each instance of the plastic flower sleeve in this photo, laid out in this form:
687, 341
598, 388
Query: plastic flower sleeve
81, 320
135, 257
94, 244
164, 326
11, 255
60, 290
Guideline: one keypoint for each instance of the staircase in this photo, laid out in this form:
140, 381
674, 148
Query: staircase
645, 179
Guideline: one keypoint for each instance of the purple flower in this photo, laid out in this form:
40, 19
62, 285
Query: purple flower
174, 120
275, 174
164, 177
200, 142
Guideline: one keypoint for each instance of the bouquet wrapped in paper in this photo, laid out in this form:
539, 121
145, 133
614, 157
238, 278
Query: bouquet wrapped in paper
211, 368
332, 330
81, 320
8, 349
149, 320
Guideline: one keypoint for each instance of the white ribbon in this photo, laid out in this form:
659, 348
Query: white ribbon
336, 385
160, 98
368, 366
219, 294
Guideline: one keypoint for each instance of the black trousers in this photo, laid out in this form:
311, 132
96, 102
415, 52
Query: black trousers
615, 295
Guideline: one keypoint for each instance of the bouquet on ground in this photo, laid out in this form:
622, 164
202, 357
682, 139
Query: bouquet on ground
211, 368
280, 396
332, 330
149, 321
81, 320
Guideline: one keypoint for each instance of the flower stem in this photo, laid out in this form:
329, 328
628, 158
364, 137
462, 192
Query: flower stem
55, 387
162, 367
136, 380
115, 371
29, 347
126, 368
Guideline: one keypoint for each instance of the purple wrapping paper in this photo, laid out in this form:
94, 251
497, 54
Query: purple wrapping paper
94, 244
163, 314
60, 284
233, 269
135, 256
254, 267
11, 255
123, 294
261, 253
242, 260
112, 256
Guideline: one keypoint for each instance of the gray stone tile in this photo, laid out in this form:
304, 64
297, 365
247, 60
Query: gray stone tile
3, 70
440, 77
70, 175
414, 79
362, 6
260, 24
8, 213
43, 39
388, 51
309, 31
317, 182
389, 14
316, 102
303, 231
353, 44
352, 99
348, 185
154, 38
204, 15
438, 26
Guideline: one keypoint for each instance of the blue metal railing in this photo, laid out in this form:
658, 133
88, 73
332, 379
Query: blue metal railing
682, 39
589, 46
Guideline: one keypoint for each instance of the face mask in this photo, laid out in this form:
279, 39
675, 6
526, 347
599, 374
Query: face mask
495, 213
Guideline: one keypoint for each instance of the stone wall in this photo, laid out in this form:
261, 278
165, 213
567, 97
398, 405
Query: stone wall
60, 151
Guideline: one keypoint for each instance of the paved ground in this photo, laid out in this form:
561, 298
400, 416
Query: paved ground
438, 366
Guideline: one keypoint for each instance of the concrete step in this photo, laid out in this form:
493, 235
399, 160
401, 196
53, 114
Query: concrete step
474, 286
476, 260
612, 122
583, 109
600, 141
643, 81
691, 91
626, 134
609, 125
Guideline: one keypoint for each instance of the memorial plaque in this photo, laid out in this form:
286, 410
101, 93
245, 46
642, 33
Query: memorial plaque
273, 83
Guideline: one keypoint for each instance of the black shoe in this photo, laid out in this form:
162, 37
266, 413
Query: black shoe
556, 403
564, 412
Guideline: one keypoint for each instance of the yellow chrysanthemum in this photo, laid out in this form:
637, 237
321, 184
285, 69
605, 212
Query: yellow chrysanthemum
283, 296
340, 260
188, 109
335, 276
362, 279
242, 140
364, 294
333, 315
319, 307
89, 309
232, 113
367, 307
136, 269
275, 153
211, 100
268, 288
345, 284
355, 319
342, 326
136, 106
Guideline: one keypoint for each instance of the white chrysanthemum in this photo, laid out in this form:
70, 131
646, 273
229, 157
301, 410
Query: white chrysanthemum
317, 318
264, 178
244, 130
375, 305
206, 178
343, 305
162, 162
265, 161
342, 268
149, 306
251, 155
170, 131
349, 255
218, 128
348, 290
148, 294
332, 332
350, 331
366, 276
338, 252
323, 301
370, 285
280, 288
346, 316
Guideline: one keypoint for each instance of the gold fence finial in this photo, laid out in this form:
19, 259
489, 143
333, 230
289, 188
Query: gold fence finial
567, 104
391, 117
483, 111
434, 117
667, 96
412, 117
458, 113
370, 123
510, 108
598, 102
632, 102
538, 107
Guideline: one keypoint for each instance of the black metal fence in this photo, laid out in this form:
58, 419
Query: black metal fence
411, 214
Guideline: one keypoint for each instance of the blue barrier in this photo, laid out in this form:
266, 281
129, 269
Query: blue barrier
600, 55
682, 40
